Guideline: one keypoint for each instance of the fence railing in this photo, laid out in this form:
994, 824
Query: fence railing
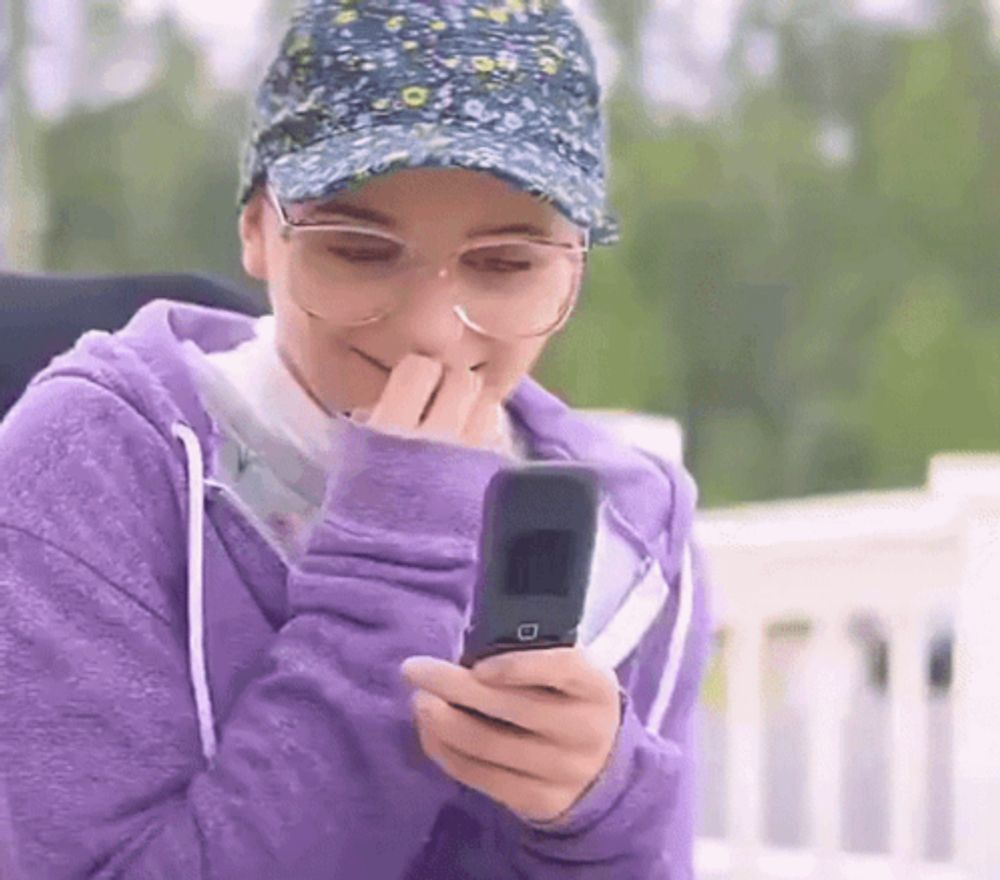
909, 560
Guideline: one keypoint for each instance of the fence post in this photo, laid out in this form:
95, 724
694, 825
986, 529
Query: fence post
744, 745
973, 481
828, 680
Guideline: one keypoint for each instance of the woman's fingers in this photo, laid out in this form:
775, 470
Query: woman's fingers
423, 398
448, 414
482, 428
405, 395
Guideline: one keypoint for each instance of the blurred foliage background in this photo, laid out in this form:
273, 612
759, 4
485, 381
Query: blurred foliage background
806, 280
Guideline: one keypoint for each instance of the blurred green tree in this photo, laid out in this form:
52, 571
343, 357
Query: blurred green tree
148, 184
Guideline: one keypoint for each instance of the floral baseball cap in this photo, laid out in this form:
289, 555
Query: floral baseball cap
362, 87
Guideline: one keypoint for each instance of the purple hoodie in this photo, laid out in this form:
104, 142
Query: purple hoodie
177, 701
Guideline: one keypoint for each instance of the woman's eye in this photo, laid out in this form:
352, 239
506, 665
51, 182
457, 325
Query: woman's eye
499, 262
356, 248
498, 266
363, 256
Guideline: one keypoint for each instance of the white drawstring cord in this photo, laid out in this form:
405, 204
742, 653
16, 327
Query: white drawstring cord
668, 683
196, 592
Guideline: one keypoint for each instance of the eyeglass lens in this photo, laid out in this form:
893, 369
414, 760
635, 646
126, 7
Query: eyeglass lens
514, 288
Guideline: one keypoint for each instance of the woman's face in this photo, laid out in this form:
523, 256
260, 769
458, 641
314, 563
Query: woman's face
436, 209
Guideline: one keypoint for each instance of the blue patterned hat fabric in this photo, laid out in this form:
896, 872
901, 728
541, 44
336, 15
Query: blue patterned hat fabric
365, 87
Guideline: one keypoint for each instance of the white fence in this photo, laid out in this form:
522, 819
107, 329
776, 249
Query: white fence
908, 559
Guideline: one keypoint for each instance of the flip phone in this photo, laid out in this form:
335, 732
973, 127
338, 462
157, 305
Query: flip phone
536, 548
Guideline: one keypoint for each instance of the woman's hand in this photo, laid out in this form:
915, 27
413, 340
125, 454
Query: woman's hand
423, 398
552, 721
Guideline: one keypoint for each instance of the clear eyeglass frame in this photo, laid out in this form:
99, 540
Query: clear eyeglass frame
288, 227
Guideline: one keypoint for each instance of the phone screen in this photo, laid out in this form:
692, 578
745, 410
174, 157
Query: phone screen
539, 562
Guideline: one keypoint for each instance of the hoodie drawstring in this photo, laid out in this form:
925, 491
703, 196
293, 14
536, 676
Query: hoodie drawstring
685, 606
196, 590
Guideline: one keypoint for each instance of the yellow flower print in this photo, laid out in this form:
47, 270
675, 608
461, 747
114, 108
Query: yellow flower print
301, 43
550, 58
498, 15
415, 96
410, 45
477, 13
438, 25
516, 6
483, 64
381, 104
548, 65
452, 62
395, 23
346, 17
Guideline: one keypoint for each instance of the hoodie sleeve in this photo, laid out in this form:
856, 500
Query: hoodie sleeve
8, 855
637, 820
318, 772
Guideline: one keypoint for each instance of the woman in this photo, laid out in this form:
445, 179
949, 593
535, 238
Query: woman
237, 558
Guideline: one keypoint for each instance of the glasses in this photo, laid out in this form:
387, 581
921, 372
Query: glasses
509, 287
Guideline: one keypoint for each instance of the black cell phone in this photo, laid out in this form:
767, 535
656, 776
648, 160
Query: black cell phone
536, 547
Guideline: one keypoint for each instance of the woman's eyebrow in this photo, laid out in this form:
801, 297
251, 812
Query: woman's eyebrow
370, 215
512, 229
356, 212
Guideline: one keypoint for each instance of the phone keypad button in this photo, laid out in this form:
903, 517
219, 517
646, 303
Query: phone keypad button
527, 632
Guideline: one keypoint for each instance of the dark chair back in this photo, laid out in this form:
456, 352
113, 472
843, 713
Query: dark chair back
42, 316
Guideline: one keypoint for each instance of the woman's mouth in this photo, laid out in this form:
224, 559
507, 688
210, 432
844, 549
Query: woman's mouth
371, 360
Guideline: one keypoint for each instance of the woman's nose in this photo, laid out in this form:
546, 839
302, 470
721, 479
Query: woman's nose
427, 313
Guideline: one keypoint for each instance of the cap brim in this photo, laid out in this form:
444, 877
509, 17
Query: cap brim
343, 161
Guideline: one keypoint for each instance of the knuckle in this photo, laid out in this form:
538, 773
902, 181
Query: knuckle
609, 697
597, 726
558, 802
567, 768
582, 771
530, 801
422, 702
427, 741
552, 805
455, 731
448, 758
590, 735
443, 713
